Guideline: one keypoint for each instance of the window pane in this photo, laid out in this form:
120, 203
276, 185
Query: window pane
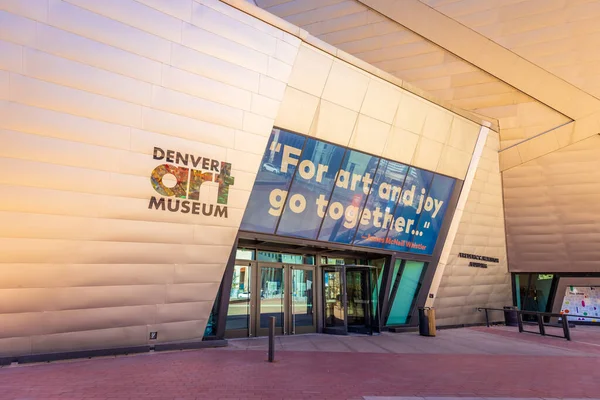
406, 216
302, 297
351, 189
269, 256
405, 290
271, 296
334, 306
292, 258
386, 191
244, 254
397, 265
310, 190
238, 313
435, 205
272, 182
542, 284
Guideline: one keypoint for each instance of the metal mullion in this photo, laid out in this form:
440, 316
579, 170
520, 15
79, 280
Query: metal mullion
394, 288
387, 234
366, 201
225, 288
330, 196
386, 285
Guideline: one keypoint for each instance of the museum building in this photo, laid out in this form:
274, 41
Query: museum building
180, 171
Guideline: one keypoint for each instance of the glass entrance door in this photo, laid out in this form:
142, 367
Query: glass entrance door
358, 295
263, 290
348, 293
272, 293
334, 302
303, 317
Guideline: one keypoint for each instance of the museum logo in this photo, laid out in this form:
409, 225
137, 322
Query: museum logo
189, 173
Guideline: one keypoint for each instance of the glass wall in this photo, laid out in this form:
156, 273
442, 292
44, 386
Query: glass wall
406, 282
238, 312
533, 292
311, 189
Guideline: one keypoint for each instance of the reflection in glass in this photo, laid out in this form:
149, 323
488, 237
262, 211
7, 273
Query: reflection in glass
334, 306
315, 168
271, 296
311, 189
533, 293
357, 289
376, 277
387, 189
408, 210
286, 258
432, 216
404, 291
349, 195
302, 297
272, 182
238, 313
244, 254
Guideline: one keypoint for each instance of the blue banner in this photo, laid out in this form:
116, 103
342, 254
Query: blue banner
352, 188
316, 190
311, 188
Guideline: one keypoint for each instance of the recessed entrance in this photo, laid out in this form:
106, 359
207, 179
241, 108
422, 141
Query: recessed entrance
350, 299
310, 290
263, 290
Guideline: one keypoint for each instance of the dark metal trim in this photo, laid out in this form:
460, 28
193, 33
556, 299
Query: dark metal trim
513, 284
386, 282
225, 292
433, 261
70, 355
327, 246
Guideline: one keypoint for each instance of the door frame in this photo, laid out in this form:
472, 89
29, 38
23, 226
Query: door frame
254, 305
367, 328
341, 330
369, 317
292, 328
247, 332
256, 298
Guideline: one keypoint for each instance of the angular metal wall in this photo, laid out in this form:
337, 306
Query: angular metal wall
553, 211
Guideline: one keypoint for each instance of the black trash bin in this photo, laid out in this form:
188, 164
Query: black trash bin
426, 321
510, 316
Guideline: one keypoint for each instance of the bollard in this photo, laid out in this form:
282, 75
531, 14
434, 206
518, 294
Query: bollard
271, 339
565, 325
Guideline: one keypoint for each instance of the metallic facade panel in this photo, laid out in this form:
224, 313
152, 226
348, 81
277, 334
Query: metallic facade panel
552, 211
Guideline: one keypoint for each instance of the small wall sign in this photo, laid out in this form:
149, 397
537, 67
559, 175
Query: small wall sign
153, 335
478, 258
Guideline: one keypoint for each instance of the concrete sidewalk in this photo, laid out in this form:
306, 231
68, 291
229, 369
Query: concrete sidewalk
496, 340
466, 363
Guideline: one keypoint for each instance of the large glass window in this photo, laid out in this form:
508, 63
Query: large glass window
352, 187
432, 214
533, 291
315, 190
377, 216
401, 236
273, 181
405, 287
310, 191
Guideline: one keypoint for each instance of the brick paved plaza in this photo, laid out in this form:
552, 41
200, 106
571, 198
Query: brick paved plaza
476, 362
